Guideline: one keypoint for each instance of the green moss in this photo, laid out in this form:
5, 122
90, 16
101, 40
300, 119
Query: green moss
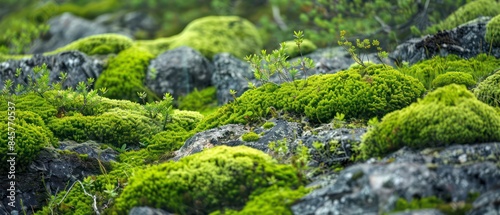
156, 46
493, 31
426, 71
250, 137
306, 47
116, 127
204, 101
27, 133
272, 201
98, 45
125, 74
360, 93
488, 91
461, 78
34, 103
449, 115
211, 180
215, 34
467, 12
74, 203
268, 125
434, 202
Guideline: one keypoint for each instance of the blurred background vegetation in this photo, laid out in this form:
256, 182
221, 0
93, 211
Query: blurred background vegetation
389, 21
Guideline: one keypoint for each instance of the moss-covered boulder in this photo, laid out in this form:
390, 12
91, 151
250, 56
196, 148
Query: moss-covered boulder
360, 93
488, 91
125, 74
34, 103
292, 50
215, 34
493, 31
98, 45
449, 115
217, 178
467, 12
461, 78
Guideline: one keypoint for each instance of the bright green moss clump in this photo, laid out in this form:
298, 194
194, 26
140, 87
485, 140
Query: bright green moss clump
98, 44
217, 178
34, 103
250, 137
125, 74
426, 71
204, 100
306, 47
488, 91
449, 115
462, 78
493, 31
468, 12
215, 34
360, 93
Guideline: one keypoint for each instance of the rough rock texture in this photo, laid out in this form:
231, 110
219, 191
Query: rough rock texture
230, 73
487, 203
147, 211
77, 65
420, 212
466, 41
373, 187
329, 60
90, 148
51, 172
67, 28
178, 72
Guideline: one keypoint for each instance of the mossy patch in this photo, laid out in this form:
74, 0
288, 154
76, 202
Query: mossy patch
98, 45
292, 50
250, 137
493, 31
449, 115
488, 91
461, 78
217, 178
204, 101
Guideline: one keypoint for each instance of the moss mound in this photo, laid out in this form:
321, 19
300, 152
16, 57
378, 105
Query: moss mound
306, 47
468, 12
215, 34
98, 45
34, 103
217, 178
125, 74
360, 93
28, 135
449, 115
426, 71
488, 91
204, 100
493, 31
461, 78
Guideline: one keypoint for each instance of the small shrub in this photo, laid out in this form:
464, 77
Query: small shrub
217, 178
461, 78
448, 115
488, 91
493, 31
250, 137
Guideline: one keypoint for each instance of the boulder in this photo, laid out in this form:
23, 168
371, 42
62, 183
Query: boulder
230, 73
178, 72
77, 65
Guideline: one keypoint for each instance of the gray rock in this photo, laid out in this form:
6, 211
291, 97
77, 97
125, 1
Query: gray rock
420, 212
486, 204
133, 22
178, 72
77, 65
466, 41
90, 148
147, 211
230, 73
50, 173
329, 60
67, 28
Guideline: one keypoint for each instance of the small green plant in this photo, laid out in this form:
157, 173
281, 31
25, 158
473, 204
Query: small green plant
355, 51
268, 125
250, 137
157, 109
339, 120
20, 41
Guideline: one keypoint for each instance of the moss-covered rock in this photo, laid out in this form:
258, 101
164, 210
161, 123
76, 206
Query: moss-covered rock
493, 31
467, 12
360, 93
461, 78
426, 71
25, 133
250, 137
217, 178
204, 101
115, 127
98, 44
125, 74
292, 50
215, 34
449, 115
488, 91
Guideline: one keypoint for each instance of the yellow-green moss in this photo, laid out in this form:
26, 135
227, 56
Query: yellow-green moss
448, 115
215, 34
34, 103
156, 46
488, 91
204, 101
493, 31
98, 45
250, 137
292, 50
125, 74
211, 180
268, 125
462, 78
